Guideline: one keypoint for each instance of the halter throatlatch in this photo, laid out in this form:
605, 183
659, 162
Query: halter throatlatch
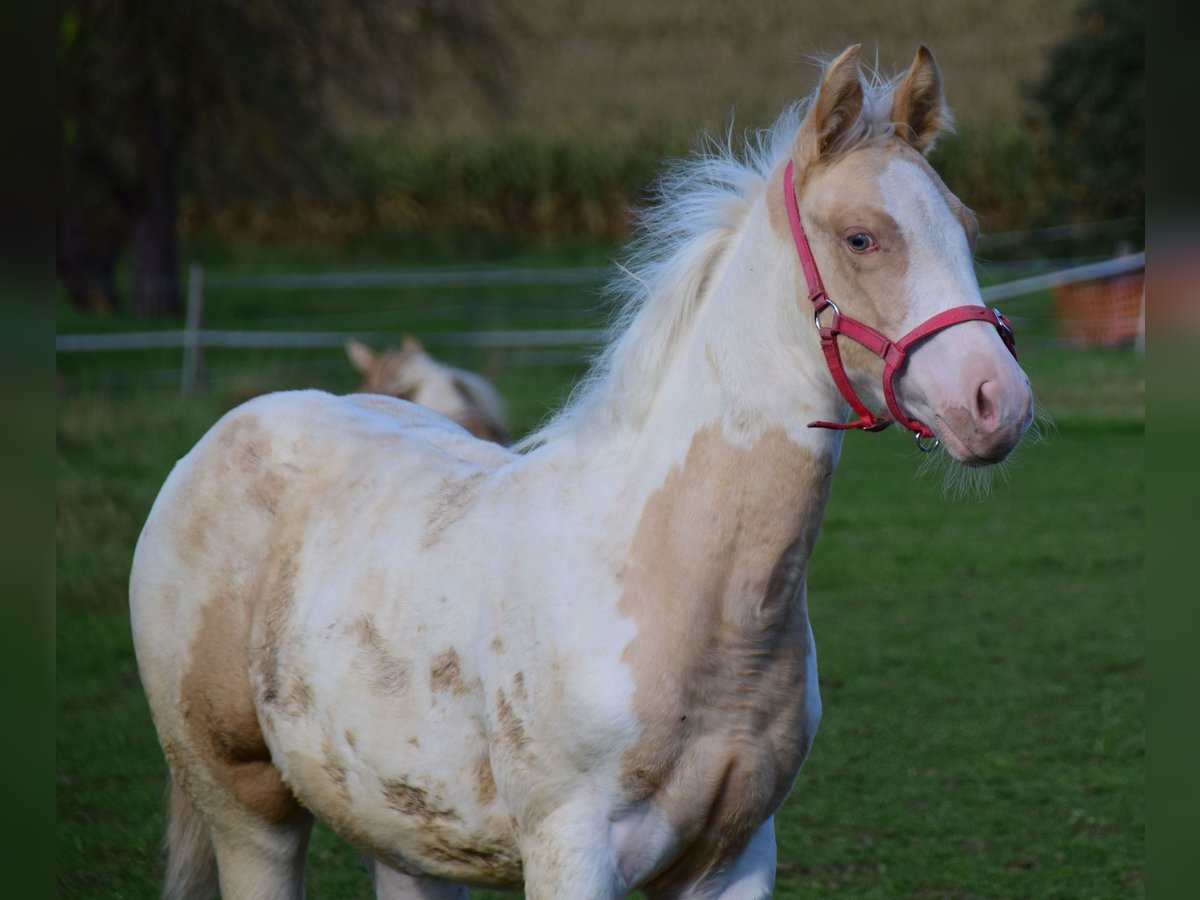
893, 353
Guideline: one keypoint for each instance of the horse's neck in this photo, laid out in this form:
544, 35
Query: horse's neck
725, 447
755, 349
751, 360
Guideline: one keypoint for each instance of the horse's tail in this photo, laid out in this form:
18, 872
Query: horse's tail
191, 860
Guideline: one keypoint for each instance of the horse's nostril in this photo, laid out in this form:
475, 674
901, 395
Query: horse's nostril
986, 402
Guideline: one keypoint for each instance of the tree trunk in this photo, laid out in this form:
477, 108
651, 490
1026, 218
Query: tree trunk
155, 287
86, 263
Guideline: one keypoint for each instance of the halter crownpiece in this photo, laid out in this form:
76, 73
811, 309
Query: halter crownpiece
893, 353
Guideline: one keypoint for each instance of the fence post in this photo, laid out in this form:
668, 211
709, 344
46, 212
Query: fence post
1139, 343
193, 348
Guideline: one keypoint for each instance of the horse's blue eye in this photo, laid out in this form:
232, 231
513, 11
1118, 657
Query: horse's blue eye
860, 242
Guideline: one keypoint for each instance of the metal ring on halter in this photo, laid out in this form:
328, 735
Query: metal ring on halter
924, 448
817, 315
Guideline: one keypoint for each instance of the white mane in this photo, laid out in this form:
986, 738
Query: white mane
699, 207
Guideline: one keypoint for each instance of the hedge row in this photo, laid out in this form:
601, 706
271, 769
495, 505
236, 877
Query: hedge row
524, 187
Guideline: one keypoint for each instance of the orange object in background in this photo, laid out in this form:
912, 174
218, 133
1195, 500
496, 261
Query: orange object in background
1106, 313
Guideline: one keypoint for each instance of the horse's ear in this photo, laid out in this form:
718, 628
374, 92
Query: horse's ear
838, 105
918, 105
361, 356
410, 345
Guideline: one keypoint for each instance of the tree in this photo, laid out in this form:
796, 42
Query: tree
1091, 102
224, 94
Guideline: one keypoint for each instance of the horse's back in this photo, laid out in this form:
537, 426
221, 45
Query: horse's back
285, 457
270, 474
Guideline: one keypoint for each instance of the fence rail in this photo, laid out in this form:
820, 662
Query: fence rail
265, 340
435, 278
1122, 265
199, 338
193, 339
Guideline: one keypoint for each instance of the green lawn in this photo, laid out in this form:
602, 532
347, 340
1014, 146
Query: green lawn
981, 661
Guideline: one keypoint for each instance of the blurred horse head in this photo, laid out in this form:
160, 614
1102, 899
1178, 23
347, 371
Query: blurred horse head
410, 373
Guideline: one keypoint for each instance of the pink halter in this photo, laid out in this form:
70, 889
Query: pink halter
893, 353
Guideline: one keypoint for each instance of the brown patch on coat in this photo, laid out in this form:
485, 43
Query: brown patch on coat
485, 782
494, 863
336, 773
299, 699
445, 674
714, 584
497, 644
452, 501
219, 712
277, 598
837, 197
512, 729
247, 444
266, 491
386, 672
710, 357
325, 793
235, 471
776, 201
414, 802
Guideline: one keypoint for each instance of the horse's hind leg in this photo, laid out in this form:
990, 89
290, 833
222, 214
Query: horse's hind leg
393, 885
263, 863
255, 826
250, 856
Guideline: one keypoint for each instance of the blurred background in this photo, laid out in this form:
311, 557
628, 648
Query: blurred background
277, 145
246, 184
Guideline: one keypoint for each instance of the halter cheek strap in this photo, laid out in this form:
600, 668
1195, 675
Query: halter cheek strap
893, 353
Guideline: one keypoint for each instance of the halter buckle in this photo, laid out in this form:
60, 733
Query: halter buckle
1006, 332
817, 315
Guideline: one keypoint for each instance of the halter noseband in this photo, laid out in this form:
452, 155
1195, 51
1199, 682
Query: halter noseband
893, 353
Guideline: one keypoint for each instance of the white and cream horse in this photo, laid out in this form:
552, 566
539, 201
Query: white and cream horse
584, 667
410, 373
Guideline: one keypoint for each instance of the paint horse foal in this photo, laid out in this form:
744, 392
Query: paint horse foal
410, 373
585, 667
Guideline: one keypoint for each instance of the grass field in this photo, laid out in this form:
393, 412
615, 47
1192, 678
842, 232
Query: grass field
982, 662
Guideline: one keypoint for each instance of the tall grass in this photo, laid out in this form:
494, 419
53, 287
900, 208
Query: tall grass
605, 94
538, 188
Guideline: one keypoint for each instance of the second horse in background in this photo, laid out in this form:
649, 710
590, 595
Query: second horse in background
410, 373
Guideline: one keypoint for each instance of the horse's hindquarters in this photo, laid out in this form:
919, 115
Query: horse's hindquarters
200, 561
281, 662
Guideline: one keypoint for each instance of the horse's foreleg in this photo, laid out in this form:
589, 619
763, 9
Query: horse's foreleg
570, 854
393, 885
750, 877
